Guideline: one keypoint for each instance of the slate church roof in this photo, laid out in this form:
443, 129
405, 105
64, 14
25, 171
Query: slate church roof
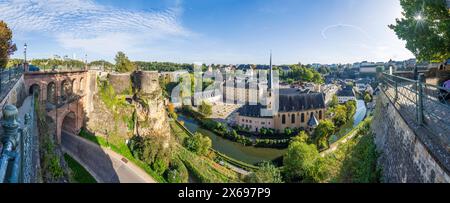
290, 100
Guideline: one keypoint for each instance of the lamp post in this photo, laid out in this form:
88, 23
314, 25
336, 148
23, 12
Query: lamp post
25, 46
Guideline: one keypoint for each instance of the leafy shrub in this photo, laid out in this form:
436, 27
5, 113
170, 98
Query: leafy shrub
177, 172
198, 143
151, 150
267, 173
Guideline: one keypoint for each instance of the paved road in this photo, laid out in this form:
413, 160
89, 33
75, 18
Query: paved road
105, 165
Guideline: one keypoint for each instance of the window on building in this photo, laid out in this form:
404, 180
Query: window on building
303, 117
293, 118
283, 119
320, 115
263, 123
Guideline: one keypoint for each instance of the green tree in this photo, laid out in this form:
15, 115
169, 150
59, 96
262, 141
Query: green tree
301, 163
425, 26
7, 47
334, 101
367, 98
340, 115
205, 109
309, 75
123, 64
177, 172
288, 131
323, 132
302, 136
153, 151
267, 173
317, 78
351, 109
198, 143
102, 63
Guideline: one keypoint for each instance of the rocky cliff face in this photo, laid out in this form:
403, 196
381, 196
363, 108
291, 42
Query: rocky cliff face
151, 118
103, 120
151, 115
143, 115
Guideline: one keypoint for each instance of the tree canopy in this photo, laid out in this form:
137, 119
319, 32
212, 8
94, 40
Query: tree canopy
323, 132
198, 143
302, 163
426, 28
163, 66
7, 47
334, 101
102, 63
340, 115
303, 73
55, 63
123, 64
205, 109
267, 173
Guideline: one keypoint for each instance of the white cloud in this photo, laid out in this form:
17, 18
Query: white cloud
92, 27
340, 26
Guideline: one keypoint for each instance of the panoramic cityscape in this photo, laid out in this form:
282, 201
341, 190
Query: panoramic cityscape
225, 91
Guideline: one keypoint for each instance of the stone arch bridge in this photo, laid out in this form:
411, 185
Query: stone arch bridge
62, 93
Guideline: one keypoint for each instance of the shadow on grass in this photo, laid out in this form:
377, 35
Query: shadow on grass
79, 173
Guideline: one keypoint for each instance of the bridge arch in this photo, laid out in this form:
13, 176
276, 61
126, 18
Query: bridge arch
69, 123
66, 88
80, 88
34, 88
75, 86
56, 88
51, 92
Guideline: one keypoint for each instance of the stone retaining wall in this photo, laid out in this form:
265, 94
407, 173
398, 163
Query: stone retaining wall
403, 155
121, 82
15, 96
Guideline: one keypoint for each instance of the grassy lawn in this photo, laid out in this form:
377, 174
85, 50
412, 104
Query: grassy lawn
121, 148
79, 174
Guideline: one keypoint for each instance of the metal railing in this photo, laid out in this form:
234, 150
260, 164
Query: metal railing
17, 158
426, 105
9, 77
61, 68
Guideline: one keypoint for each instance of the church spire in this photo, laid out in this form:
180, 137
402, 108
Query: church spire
270, 72
271, 60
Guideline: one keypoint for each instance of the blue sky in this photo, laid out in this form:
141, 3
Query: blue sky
208, 31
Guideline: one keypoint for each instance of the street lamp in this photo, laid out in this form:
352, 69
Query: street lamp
25, 51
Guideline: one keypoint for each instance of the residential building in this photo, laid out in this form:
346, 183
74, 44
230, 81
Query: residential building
346, 94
